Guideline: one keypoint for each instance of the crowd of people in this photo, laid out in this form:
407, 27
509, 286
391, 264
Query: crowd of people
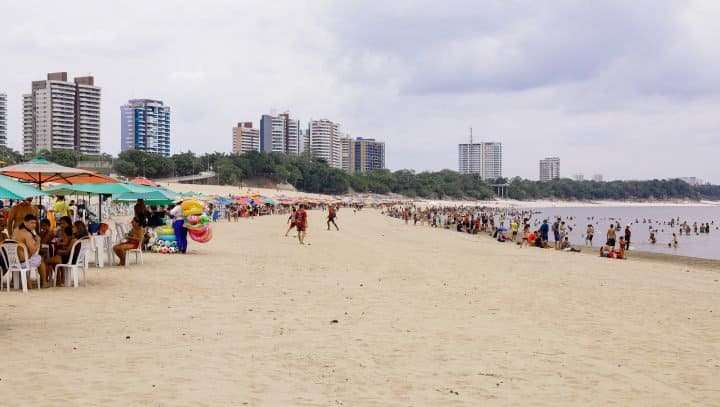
527, 227
47, 235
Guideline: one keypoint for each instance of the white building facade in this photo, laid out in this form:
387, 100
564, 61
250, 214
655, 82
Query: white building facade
549, 169
325, 141
58, 114
483, 159
281, 134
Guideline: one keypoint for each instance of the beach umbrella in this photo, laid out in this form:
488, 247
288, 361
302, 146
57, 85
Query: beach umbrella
11, 189
143, 181
156, 197
99, 189
40, 171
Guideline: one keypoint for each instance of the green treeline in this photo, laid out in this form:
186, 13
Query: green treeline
312, 175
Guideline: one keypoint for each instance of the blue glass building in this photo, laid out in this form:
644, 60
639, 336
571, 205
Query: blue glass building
145, 126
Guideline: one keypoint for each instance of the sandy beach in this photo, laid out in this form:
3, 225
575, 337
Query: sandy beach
423, 317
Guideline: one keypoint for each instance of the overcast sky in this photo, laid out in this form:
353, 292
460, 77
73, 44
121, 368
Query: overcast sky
628, 89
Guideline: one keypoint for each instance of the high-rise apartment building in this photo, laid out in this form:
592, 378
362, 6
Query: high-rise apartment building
347, 145
145, 126
549, 169
58, 114
325, 141
281, 134
483, 159
365, 155
246, 138
3, 119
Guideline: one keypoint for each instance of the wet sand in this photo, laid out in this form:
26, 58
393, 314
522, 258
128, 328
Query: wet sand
424, 318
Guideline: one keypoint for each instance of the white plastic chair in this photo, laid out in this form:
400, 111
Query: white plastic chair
138, 255
15, 267
79, 265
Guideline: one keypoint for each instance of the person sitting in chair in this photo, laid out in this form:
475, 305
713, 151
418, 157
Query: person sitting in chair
132, 241
27, 236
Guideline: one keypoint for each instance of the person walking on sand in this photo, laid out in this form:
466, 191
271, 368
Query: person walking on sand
301, 223
332, 214
291, 220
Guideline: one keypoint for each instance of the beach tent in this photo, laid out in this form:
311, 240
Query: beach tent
143, 181
40, 171
11, 189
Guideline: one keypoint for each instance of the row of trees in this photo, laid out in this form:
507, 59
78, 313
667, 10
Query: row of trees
312, 175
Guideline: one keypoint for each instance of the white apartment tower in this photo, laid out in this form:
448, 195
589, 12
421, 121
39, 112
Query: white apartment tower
483, 159
325, 141
58, 114
3, 119
245, 138
281, 134
549, 169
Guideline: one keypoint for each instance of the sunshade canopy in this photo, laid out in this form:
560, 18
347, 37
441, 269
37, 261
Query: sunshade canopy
98, 189
41, 171
156, 197
11, 189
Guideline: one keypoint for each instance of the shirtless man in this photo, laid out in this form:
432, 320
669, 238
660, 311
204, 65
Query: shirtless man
17, 214
27, 236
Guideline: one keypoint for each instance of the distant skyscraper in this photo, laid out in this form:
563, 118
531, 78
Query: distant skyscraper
549, 168
3, 119
145, 126
483, 159
246, 138
347, 146
58, 114
597, 178
579, 177
325, 141
366, 155
281, 134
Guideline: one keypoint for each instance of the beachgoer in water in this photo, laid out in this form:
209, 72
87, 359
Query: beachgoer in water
589, 233
611, 236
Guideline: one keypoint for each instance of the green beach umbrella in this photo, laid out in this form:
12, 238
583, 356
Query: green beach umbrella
99, 189
15, 190
157, 197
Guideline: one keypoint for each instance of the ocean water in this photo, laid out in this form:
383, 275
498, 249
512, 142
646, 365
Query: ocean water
702, 245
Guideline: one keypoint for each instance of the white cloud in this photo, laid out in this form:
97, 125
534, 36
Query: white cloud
629, 89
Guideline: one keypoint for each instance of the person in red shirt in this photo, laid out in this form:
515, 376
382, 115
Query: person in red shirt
332, 214
301, 223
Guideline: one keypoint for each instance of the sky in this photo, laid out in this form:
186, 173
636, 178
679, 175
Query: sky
626, 89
